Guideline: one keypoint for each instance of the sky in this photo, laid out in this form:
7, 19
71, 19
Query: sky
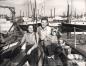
60, 6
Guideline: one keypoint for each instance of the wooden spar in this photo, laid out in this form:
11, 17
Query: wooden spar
10, 28
74, 37
35, 14
68, 14
6, 7
12, 9
2, 38
13, 15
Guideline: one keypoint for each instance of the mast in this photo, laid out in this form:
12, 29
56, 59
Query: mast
68, 18
44, 8
31, 6
74, 37
85, 9
51, 13
54, 12
26, 13
38, 12
28, 7
20, 13
34, 10
23, 14
75, 13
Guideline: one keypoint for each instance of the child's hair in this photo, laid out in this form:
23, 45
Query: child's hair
53, 30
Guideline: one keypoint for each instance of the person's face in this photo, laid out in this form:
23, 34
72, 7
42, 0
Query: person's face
44, 23
30, 28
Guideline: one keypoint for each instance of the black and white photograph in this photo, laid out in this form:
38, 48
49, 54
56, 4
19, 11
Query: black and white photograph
42, 32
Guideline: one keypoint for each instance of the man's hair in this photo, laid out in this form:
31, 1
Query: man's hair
44, 18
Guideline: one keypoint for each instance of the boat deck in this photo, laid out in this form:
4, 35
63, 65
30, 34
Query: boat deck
81, 48
14, 61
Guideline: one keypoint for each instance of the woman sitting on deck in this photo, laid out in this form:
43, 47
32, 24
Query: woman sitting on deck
31, 38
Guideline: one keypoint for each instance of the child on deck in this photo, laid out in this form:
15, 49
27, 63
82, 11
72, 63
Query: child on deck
57, 47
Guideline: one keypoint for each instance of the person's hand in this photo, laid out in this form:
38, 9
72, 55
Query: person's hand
52, 56
29, 52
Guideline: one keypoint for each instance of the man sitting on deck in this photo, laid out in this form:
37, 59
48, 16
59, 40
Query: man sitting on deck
44, 32
49, 49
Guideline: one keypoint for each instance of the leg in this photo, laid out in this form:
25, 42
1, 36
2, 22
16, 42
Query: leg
27, 64
40, 62
33, 58
40, 56
63, 59
22, 62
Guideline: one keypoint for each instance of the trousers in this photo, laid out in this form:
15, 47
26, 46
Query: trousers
32, 58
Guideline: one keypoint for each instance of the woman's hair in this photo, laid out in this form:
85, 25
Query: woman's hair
30, 25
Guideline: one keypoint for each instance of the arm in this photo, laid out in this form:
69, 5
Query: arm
23, 40
48, 36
